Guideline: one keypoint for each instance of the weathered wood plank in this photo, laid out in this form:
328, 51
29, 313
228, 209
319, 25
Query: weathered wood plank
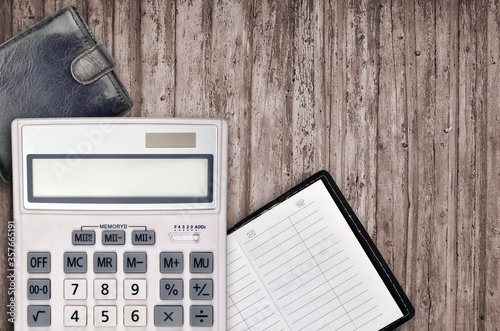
443, 253
308, 118
392, 148
158, 53
193, 58
491, 267
271, 101
231, 80
421, 160
127, 48
483, 107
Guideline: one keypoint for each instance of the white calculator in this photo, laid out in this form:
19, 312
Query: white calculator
120, 223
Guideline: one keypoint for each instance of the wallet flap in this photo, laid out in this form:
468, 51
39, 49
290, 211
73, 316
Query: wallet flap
92, 64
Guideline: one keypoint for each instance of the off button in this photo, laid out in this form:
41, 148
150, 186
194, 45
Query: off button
39, 262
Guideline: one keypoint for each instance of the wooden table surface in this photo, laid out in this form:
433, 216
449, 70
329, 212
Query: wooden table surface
399, 100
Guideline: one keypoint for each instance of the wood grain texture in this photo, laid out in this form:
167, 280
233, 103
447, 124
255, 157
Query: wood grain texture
397, 99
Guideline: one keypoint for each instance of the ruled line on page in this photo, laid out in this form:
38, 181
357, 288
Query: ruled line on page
274, 225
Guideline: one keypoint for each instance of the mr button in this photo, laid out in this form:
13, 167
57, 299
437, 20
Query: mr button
201, 263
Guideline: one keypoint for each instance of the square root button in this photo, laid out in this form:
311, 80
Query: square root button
201, 262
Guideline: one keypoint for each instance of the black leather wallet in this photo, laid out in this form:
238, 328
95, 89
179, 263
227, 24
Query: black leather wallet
56, 69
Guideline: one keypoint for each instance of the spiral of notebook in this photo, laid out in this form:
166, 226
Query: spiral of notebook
305, 262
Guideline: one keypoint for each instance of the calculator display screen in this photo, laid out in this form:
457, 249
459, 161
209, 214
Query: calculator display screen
120, 178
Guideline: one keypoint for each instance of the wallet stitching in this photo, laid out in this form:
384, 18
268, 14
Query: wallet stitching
92, 79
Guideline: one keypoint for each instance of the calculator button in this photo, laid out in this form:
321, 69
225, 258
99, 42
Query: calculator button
105, 289
201, 289
135, 262
171, 289
75, 289
105, 315
38, 289
143, 237
75, 315
113, 237
75, 262
134, 315
105, 262
39, 263
80, 237
134, 289
38, 315
201, 316
200, 262
171, 263
169, 316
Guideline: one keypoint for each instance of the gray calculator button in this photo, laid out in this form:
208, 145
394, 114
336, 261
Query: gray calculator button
38, 289
171, 289
113, 237
169, 316
105, 262
201, 316
75, 262
201, 289
80, 237
143, 237
39, 315
39, 263
201, 263
171, 263
135, 262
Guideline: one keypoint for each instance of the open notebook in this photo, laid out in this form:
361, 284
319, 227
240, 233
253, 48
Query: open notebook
305, 262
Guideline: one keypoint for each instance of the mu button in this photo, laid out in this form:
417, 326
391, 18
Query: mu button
201, 262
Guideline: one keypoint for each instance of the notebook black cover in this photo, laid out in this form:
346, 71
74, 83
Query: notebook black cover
56, 69
359, 231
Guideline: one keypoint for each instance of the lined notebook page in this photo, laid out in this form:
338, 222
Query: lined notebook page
299, 267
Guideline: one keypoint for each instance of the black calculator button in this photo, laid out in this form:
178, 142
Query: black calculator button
38, 289
143, 237
171, 289
134, 262
169, 316
171, 262
39, 262
113, 237
75, 262
38, 315
201, 316
105, 262
201, 289
80, 237
201, 262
